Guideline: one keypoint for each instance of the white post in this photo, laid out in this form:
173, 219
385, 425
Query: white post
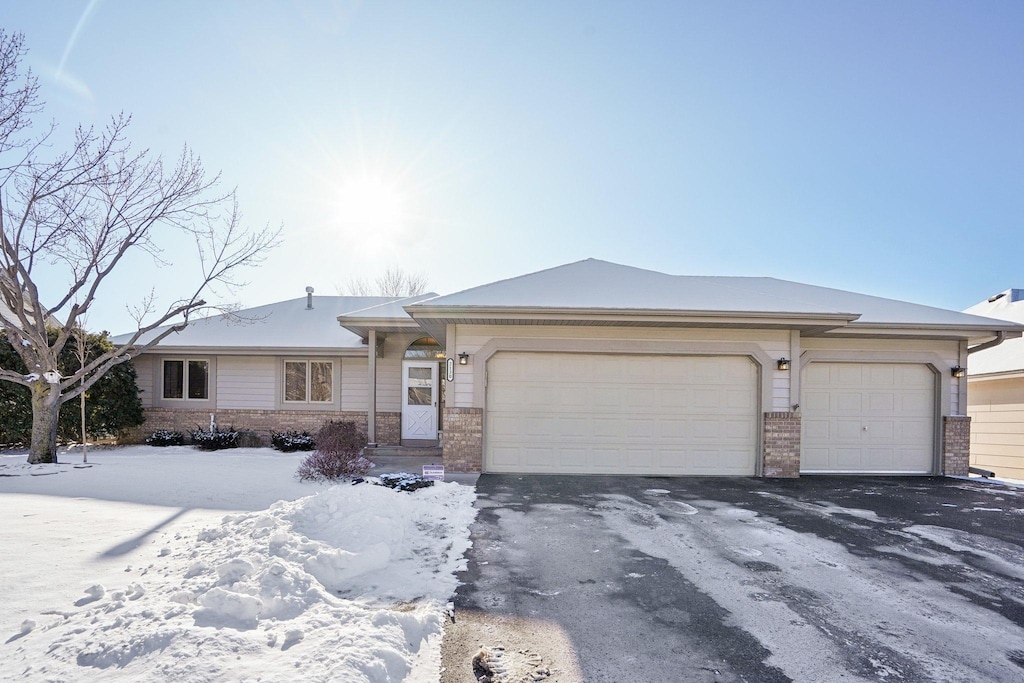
371, 390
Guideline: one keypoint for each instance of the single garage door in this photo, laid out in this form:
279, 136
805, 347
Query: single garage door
876, 418
620, 414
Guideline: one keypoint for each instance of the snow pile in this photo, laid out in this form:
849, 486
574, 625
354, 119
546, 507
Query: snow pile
347, 584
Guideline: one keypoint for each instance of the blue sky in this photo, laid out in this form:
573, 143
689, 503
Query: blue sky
870, 146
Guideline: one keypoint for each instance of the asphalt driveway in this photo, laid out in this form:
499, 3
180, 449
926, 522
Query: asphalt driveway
712, 579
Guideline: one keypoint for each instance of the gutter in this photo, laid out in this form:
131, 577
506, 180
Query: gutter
1000, 338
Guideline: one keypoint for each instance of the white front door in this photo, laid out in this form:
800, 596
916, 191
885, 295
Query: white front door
419, 400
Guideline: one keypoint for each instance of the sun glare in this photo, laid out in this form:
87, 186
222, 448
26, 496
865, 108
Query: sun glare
371, 203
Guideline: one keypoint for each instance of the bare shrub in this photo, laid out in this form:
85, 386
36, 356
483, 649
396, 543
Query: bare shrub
338, 454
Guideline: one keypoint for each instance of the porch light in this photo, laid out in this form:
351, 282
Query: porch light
783, 363
959, 372
463, 358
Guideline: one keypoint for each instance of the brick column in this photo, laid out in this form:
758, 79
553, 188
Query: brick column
781, 445
463, 444
956, 445
389, 429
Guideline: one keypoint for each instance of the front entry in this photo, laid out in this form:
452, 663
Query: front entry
419, 400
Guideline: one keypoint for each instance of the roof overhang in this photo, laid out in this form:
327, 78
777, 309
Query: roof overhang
362, 326
435, 319
256, 351
992, 376
973, 334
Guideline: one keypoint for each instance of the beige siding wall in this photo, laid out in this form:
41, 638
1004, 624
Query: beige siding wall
246, 382
354, 380
254, 382
470, 338
389, 371
144, 378
996, 408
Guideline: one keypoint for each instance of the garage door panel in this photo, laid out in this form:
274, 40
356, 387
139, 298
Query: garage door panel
882, 403
673, 399
742, 402
879, 430
567, 458
868, 418
642, 429
673, 430
847, 402
882, 375
621, 414
816, 429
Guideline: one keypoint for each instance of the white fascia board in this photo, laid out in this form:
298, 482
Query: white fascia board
974, 334
992, 376
258, 351
605, 315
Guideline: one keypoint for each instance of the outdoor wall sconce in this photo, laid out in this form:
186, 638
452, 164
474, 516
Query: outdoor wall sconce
463, 358
959, 372
783, 363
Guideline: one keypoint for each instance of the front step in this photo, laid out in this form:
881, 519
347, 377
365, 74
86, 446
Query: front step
410, 451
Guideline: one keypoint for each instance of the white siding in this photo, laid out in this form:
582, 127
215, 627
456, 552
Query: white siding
246, 382
470, 338
354, 380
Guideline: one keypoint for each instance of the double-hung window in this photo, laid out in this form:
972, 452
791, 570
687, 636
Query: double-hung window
308, 381
187, 379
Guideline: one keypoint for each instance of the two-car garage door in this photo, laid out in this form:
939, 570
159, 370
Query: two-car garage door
620, 414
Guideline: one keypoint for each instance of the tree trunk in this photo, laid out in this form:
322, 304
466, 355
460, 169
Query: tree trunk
45, 411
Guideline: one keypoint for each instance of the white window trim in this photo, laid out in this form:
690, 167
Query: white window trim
184, 378
309, 382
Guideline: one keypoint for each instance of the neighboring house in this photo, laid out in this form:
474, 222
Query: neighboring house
594, 367
995, 396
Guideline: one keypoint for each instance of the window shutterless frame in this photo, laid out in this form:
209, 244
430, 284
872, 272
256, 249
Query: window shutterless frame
308, 381
186, 379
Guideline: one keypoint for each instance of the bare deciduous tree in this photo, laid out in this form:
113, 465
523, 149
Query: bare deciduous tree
71, 220
392, 282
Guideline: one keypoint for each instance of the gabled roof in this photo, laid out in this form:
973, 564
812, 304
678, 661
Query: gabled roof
386, 317
1008, 356
598, 292
282, 327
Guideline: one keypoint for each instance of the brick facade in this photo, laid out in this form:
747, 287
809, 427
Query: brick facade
262, 422
781, 445
956, 445
463, 444
389, 429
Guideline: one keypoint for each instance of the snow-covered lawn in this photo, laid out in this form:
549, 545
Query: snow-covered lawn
176, 565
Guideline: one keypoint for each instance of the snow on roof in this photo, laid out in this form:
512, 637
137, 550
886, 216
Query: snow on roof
286, 324
1008, 356
392, 309
596, 284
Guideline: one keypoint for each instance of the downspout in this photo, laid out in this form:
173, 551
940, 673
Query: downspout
1000, 338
